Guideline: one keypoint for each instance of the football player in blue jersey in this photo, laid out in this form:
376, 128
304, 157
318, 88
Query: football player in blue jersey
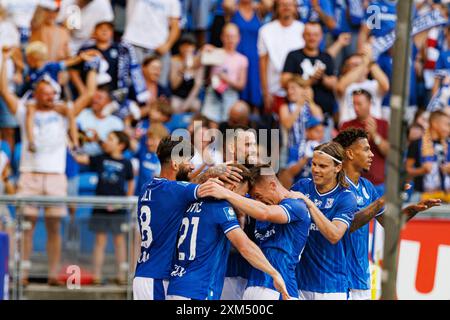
240, 147
162, 203
207, 229
322, 270
358, 159
281, 229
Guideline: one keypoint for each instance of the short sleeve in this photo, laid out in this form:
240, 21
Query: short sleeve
291, 64
374, 196
329, 63
413, 150
295, 209
184, 191
174, 9
301, 185
261, 44
226, 218
345, 208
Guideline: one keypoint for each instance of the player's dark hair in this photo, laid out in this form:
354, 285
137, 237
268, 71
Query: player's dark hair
247, 175
256, 172
336, 151
168, 144
123, 139
349, 136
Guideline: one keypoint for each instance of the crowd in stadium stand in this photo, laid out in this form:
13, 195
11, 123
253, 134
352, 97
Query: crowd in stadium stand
119, 76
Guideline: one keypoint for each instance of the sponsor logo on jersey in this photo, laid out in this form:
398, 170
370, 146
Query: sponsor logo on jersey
268, 234
313, 227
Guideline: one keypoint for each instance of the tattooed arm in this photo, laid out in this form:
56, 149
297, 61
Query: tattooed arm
363, 216
222, 171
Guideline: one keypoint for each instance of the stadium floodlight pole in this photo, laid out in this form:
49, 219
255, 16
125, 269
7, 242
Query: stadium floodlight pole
396, 173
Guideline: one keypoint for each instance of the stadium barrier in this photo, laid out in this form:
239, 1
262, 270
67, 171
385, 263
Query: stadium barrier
424, 258
77, 241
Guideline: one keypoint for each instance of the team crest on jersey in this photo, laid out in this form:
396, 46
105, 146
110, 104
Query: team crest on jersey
359, 200
329, 203
366, 195
229, 213
318, 203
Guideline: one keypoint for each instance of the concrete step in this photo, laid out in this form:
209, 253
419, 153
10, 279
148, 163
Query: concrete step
86, 292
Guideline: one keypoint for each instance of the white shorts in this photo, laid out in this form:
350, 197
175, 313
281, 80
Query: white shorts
174, 297
308, 295
149, 288
233, 288
360, 294
260, 293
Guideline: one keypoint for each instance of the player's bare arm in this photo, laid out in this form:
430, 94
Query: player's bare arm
253, 208
333, 231
253, 254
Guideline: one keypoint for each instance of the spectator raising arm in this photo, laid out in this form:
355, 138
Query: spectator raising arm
10, 98
85, 99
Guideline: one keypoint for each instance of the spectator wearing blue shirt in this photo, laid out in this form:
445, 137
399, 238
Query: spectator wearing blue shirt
149, 165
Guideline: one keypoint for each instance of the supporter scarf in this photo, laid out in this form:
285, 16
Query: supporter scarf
436, 179
130, 72
421, 23
440, 100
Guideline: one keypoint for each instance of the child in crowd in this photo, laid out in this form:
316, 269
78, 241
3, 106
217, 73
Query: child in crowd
115, 178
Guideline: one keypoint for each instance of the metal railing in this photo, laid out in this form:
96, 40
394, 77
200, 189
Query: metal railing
21, 225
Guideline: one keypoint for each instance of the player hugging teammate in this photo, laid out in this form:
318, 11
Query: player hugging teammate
311, 242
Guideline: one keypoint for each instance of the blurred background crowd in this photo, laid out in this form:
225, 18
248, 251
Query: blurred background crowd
118, 76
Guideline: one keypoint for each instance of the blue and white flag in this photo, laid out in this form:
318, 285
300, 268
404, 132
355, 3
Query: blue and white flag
440, 100
421, 23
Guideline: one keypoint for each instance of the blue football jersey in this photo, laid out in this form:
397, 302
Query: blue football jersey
161, 206
282, 244
323, 268
356, 244
203, 248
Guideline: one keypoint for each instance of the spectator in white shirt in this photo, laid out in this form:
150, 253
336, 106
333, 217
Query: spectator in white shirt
275, 40
152, 26
41, 172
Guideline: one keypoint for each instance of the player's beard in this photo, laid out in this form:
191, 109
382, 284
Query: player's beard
183, 174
